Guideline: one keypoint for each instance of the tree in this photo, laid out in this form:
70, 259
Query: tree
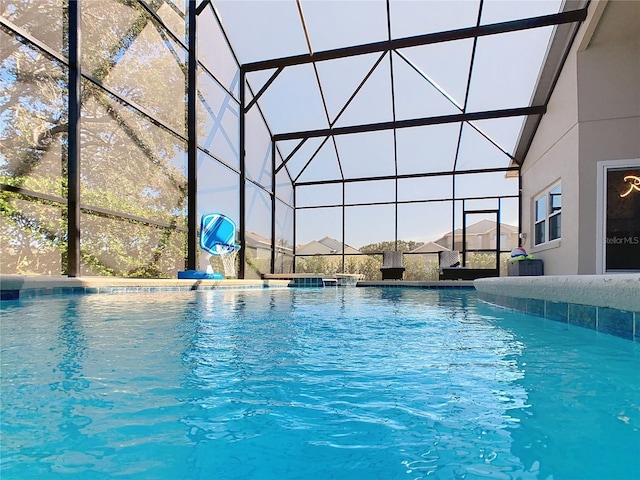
403, 246
130, 166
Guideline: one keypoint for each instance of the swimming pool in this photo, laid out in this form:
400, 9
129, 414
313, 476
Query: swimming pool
360, 383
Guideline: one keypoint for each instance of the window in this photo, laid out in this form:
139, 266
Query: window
618, 216
548, 211
555, 207
541, 220
622, 220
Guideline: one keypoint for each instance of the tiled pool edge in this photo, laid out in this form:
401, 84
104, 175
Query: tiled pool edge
39, 292
14, 287
607, 304
433, 285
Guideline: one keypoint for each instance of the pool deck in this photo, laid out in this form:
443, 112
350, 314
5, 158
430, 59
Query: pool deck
621, 291
607, 303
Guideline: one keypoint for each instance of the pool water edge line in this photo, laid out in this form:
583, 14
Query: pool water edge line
14, 287
525, 294
16, 294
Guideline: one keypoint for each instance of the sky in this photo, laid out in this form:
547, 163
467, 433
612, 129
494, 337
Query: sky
428, 81
409, 83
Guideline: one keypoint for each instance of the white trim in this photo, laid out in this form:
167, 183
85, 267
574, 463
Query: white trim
545, 194
592, 23
547, 246
601, 219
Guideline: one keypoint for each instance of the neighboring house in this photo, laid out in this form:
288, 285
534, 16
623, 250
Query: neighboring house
259, 254
325, 246
430, 247
481, 236
581, 175
260, 247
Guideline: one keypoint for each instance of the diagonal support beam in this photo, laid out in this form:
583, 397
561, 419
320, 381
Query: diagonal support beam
290, 156
263, 89
202, 6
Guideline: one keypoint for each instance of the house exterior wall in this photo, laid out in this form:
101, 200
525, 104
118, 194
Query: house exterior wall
593, 115
609, 110
553, 157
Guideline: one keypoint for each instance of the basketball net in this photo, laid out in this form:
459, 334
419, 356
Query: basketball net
227, 254
229, 263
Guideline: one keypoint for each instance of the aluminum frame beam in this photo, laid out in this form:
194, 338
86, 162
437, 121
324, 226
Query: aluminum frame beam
416, 122
74, 141
192, 140
429, 38
408, 175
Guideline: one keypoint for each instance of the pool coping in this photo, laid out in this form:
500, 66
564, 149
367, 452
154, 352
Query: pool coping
605, 303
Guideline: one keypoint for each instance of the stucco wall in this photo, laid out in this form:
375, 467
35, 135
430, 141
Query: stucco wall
554, 156
593, 115
608, 110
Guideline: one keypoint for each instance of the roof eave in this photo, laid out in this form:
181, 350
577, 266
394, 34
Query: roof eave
555, 58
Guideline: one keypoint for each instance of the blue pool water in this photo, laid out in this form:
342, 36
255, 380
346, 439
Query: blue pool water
311, 384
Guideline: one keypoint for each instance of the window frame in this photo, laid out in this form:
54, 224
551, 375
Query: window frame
552, 215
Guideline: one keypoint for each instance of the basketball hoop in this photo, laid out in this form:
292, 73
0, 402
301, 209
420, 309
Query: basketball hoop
227, 254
